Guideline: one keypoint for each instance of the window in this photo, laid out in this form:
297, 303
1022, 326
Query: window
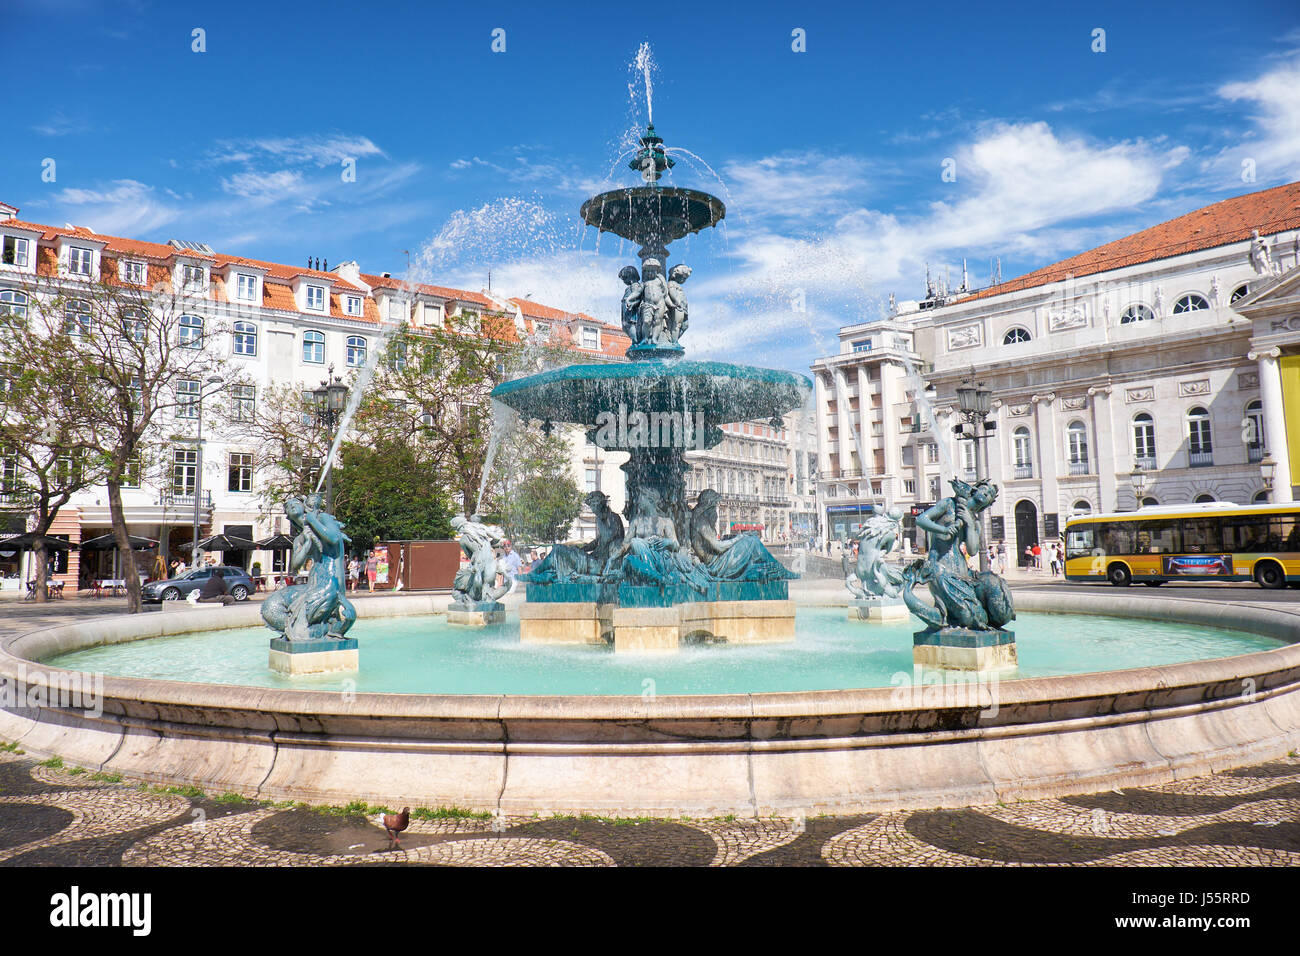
590, 337
1190, 303
396, 310
191, 332
931, 453
1022, 444
1253, 431
194, 278
1077, 439
934, 488
316, 298
1246, 533
1082, 507
1203, 499
15, 251
862, 345
909, 487
245, 335
1079, 541
135, 393
1136, 313
243, 402
135, 326
13, 303
133, 272
1200, 448
542, 330
313, 347
132, 472
968, 457
432, 314
1158, 537
246, 288
240, 472
185, 469
397, 355
79, 260
356, 351
9, 480
187, 398
76, 318
1239, 293
1144, 440
592, 479
1016, 336
426, 418
352, 305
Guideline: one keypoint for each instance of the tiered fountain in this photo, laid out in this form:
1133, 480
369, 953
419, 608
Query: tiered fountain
668, 578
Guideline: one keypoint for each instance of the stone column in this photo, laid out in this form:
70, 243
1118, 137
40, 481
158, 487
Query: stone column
864, 420
842, 422
1049, 467
890, 376
1275, 443
1103, 429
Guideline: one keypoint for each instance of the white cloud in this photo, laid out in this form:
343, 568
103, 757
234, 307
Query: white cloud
125, 207
1275, 145
322, 150
263, 186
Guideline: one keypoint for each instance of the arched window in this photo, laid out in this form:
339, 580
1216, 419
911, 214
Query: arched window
1253, 431
1203, 499
1261, 497
313, 347
245, 338
1082, 507
356, 351
1077, 438
1239, 293
1191, 303
1200, 447
13, 302
1016, 336
76, 318
191, 332
1023, 448
1149, 502
1136, 313
1144, 440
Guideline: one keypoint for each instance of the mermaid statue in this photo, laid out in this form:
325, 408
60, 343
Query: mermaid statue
320, 608
651, 553
963, 598
871, 577
742, 558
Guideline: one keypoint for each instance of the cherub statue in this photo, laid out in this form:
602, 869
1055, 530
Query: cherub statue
631, 302
653, 311
678, 312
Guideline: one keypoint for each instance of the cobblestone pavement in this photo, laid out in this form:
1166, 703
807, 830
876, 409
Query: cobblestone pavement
62, 816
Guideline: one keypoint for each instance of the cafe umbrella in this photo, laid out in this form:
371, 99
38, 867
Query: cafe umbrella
107, 542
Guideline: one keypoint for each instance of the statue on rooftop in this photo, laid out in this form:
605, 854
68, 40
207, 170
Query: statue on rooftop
1260, 257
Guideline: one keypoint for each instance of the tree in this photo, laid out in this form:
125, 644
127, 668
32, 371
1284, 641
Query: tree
542, 507
290, 444
387, 492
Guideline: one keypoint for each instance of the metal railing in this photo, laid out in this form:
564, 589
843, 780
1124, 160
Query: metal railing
1023, 471
170, 500
1200, 459
1254, 453
1079, 467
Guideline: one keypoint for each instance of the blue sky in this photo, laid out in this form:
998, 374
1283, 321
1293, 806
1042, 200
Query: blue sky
830, 160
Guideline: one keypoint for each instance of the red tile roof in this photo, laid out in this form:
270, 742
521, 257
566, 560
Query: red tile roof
1270, 211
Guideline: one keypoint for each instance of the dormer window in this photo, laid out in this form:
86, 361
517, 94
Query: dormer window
132, 272
396, 310
590, 337
352, 304
79, 260
193, 278
432, 314
16, 252
316, 298
246, 287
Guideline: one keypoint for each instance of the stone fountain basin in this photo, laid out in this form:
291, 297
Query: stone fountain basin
653, 213
755, 754
720, 391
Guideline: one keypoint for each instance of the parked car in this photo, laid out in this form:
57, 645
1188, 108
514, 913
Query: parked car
174, 589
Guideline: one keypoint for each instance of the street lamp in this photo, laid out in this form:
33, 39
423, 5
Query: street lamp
331, 398
1140, 480
1267, 469
198, 474
974, 401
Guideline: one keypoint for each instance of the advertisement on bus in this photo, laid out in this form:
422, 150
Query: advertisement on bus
1197, 565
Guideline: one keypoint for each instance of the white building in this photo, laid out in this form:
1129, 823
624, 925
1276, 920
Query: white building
1131, 354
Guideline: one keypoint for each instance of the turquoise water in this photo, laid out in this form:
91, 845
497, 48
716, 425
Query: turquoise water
425, 655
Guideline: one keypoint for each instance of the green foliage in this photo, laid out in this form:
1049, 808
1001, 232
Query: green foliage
11, 748
54, 763
386, 492
449, 813
106, 777
541, 508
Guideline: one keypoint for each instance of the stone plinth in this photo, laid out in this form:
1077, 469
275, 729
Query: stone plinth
740, 622
323, 656
645, 629
479, 614
577, 622
880, 609
962, 649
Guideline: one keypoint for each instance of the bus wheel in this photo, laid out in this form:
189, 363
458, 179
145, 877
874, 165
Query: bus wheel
1118, 575
1153, 584
1269, 575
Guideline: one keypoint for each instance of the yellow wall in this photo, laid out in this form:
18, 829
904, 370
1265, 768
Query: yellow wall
1289, 366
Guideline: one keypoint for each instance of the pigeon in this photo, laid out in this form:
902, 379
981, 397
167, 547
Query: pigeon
395, 823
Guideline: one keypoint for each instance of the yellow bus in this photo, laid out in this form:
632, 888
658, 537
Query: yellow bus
1215, 541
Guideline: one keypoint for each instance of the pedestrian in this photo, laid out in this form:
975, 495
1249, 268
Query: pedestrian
510, 559
215, 590
1037, 552
354, 573
372, 568
1002, 557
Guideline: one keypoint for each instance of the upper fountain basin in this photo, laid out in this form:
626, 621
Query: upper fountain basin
653, 213
718, 391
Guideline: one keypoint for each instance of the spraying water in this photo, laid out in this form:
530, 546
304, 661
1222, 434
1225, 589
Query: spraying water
645, 64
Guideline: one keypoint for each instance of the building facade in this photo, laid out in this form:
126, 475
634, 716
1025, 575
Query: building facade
1133, 355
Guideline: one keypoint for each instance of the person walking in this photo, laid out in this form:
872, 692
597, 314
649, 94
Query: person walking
372, 568
354, 573
1038, 556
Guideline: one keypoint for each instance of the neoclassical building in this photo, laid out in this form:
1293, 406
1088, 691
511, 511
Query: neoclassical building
1171, 350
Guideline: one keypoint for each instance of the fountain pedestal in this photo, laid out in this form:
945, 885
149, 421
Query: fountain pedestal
648, 628
880, 609
964, 649
323, 656
569, 622
478, 614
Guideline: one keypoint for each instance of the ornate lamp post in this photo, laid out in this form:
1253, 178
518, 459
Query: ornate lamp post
1140, 480
974, 402
1267, 470
330, 400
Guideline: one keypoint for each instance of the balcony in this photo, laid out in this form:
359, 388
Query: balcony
1254, 453
171, 500
21, 499
1200, 459
1020, 470
1079, 467
1146, 464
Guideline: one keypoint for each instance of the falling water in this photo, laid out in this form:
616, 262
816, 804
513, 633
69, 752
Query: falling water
645, 63
504, 421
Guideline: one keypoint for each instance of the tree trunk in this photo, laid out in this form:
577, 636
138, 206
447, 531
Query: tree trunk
42, 554
133, 604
